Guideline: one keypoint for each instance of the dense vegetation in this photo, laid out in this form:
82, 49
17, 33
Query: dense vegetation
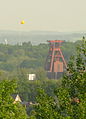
18, 61
69, 101
53, 99
9, 110
13, 57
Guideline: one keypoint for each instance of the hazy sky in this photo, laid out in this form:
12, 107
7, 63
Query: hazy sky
49, 15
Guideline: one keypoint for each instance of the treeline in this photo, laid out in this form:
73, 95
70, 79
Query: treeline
53, 99
17, 61
13, 57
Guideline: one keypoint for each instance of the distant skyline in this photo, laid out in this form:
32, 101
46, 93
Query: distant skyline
43, 15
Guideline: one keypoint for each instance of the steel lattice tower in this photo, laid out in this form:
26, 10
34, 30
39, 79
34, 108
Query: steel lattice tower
55, 62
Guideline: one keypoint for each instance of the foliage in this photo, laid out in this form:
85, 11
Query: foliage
72, 94
28, 89
28, 56
9, 110
18, 61
45, 108
70, 98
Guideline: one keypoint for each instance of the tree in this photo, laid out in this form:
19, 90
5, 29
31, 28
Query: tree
45, 107
9, 110
72, 94
41, 74
70, 98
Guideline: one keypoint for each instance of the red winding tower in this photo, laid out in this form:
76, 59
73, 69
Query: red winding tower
55, 62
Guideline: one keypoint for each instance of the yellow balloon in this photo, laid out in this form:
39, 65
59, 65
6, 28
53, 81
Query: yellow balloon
23, 22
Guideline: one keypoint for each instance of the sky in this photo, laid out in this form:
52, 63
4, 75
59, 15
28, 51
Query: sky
43, 15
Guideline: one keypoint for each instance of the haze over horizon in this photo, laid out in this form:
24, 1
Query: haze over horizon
43, 15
